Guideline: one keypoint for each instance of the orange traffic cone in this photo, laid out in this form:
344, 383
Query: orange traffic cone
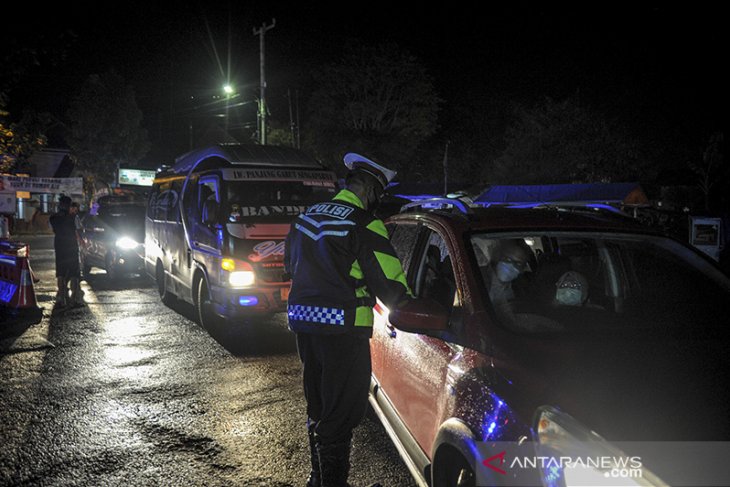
24, 296
35, 278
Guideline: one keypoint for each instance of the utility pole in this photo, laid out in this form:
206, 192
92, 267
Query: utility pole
262, 97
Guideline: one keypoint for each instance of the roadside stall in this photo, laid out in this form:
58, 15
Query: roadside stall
30, 200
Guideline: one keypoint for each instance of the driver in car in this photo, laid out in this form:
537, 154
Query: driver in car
511, 260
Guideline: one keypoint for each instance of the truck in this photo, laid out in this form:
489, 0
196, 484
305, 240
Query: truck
216, 225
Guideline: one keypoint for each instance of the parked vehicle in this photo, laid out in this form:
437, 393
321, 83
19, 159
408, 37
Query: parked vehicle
112, 238
216, 223
639, 354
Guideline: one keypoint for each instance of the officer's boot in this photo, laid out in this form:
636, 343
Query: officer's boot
334, 463
62, 294
314, 476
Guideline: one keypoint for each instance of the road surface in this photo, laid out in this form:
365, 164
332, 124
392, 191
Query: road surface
127, 391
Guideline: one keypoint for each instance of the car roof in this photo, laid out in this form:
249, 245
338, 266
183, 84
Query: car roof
545, 218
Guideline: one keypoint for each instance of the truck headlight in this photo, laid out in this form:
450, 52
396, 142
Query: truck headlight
126, 243
241, 278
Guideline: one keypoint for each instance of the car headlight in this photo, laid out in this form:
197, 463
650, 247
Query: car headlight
126, 243
585, 457
241, 278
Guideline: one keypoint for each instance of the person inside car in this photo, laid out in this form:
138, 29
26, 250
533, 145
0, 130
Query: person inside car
511, 260
572, 290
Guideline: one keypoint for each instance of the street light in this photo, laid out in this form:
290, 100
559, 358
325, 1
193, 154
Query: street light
228, 90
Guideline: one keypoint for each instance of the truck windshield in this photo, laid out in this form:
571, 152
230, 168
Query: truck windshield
245, 199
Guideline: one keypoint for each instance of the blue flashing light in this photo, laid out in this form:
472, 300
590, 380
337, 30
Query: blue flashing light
492, 418
248, 300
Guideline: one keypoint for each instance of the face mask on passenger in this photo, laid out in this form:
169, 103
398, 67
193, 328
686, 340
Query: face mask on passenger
569, 296
507, 271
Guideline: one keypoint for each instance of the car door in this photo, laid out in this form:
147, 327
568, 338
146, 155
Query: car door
417, 363
403, 237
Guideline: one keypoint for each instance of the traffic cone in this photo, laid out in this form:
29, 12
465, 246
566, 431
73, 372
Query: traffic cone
24, 296
35, 278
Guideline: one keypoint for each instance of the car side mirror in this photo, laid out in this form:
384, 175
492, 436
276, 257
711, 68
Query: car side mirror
420, 316
210, 212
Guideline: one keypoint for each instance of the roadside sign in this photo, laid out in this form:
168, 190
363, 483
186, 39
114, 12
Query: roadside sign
705, 234
136, 177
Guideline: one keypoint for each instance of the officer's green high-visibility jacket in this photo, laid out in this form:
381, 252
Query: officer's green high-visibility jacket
340, 258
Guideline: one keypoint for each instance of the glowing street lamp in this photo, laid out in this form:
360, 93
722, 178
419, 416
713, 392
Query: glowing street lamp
228, 90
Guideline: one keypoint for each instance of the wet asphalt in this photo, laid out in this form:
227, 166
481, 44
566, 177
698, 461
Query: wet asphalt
127, 391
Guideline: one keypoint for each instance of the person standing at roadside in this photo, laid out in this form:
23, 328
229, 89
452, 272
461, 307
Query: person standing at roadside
66, 248
76, 282
339, 257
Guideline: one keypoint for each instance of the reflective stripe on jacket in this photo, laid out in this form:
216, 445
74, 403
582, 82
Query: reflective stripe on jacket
340, 257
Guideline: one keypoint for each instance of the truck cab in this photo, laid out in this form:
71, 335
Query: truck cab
216, 224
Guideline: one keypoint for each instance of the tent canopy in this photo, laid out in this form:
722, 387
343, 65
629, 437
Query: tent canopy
596, 193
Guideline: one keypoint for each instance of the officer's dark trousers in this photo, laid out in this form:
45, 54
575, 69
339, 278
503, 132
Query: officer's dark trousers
336, 382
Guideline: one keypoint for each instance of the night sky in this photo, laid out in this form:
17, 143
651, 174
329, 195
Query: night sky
661, 70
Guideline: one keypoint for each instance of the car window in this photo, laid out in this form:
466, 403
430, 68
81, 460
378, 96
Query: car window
403, 238
435, 275
579, 281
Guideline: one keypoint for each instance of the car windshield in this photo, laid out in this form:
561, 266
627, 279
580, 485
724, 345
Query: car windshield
576, 281
245, 199
124, 218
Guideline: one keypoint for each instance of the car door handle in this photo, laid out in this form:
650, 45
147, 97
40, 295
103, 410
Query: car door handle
391, 331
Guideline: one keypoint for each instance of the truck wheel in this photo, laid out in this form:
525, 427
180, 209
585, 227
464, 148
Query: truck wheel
203, 305
165, 295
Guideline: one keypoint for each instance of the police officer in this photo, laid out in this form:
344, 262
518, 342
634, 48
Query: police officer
340, 258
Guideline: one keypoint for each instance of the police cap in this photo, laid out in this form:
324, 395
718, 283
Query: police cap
357, 162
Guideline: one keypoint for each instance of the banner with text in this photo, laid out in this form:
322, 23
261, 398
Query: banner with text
9, 184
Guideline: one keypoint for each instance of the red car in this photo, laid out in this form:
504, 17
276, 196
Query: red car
552, 326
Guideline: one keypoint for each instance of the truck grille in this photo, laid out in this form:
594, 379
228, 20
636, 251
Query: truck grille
271, 274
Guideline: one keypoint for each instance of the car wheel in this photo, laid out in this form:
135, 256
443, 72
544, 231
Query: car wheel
452, 470
165, 295
203, 305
